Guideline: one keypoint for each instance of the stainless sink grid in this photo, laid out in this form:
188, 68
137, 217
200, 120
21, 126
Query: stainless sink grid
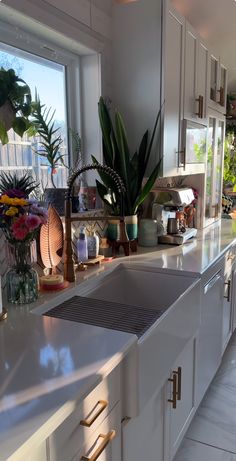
106, 314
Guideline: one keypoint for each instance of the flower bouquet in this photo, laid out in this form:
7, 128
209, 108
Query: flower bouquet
20, 221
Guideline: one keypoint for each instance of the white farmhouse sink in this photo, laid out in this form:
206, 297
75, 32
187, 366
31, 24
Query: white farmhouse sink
141, 287
175, 292
174, 295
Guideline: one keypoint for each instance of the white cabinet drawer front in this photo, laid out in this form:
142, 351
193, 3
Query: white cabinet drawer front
105, 442
68, 439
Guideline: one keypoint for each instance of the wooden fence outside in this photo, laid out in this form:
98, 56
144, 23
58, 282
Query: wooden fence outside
19, 156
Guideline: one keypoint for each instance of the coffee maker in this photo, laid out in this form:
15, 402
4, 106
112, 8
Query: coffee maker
169, 210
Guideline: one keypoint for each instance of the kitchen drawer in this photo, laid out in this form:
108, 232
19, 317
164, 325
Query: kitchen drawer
105, 440
70, 436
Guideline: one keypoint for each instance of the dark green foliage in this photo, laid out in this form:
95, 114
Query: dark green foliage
131, 169
15, 91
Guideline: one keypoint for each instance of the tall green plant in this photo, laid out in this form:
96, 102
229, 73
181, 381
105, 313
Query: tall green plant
131, 168
50, 145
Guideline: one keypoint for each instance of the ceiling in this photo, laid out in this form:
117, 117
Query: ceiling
215, 20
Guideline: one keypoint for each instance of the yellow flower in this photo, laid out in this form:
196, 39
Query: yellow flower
13, 201
19, 201
12, 211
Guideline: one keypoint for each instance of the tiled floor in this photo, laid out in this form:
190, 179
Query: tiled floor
212, 434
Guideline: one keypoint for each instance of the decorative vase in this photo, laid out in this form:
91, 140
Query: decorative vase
131, 223
21, 279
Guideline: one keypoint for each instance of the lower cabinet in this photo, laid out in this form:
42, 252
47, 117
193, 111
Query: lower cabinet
210, 333
229, 297
180, 398
105, 442
143, 437
93, 428
156, 433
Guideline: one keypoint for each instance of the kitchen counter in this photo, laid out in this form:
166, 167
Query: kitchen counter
194, 256
48, 365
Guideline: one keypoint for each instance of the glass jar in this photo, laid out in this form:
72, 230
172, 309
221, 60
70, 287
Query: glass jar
21, 279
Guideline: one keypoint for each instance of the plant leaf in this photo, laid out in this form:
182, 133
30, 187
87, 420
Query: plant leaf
148, 186
3, 134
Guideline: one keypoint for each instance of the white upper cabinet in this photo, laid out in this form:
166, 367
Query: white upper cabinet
196, 77
173, 88
218, 84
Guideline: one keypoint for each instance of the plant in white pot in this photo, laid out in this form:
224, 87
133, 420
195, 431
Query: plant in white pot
15, 104
130, 168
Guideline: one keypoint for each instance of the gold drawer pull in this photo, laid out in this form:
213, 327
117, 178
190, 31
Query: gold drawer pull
174, 391
88, 422
178, 373
106, 439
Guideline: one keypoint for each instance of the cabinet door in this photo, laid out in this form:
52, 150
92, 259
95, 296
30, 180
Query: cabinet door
222, 89
173, 54
218, 84
191, 106
180, 415
233, 295
203, 78
143, 436
228, 301
214, 166
210, 334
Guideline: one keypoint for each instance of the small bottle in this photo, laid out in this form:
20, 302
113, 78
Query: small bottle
82, 246
93, 245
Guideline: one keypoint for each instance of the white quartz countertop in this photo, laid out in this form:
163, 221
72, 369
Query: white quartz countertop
47, 364
194, 256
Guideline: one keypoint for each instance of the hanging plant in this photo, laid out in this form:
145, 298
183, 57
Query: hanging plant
15, 104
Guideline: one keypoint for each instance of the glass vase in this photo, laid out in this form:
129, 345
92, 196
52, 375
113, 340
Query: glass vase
21, 279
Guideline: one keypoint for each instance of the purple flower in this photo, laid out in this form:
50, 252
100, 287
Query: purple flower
12, 193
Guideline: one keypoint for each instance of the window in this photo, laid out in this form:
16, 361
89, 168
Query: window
49, 78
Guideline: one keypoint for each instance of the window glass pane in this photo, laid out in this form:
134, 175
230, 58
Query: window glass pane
48, 78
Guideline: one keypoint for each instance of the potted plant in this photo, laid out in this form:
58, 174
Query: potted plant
50, 143
15, 104
131, 168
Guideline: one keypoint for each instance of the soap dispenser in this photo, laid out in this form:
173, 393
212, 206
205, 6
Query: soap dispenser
82, 245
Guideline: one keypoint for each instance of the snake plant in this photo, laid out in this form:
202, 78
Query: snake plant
131, 168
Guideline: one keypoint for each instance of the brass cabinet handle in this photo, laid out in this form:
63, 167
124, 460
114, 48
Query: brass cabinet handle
106, 439
181, 163
228, 291
178, 373
174, 391
200, 106
88, 422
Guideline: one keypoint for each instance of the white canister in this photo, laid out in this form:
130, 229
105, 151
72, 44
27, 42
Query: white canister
147, 234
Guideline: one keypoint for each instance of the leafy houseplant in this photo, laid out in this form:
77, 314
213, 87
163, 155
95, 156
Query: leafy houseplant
44, 126
131, 169
15, 104
229, 176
